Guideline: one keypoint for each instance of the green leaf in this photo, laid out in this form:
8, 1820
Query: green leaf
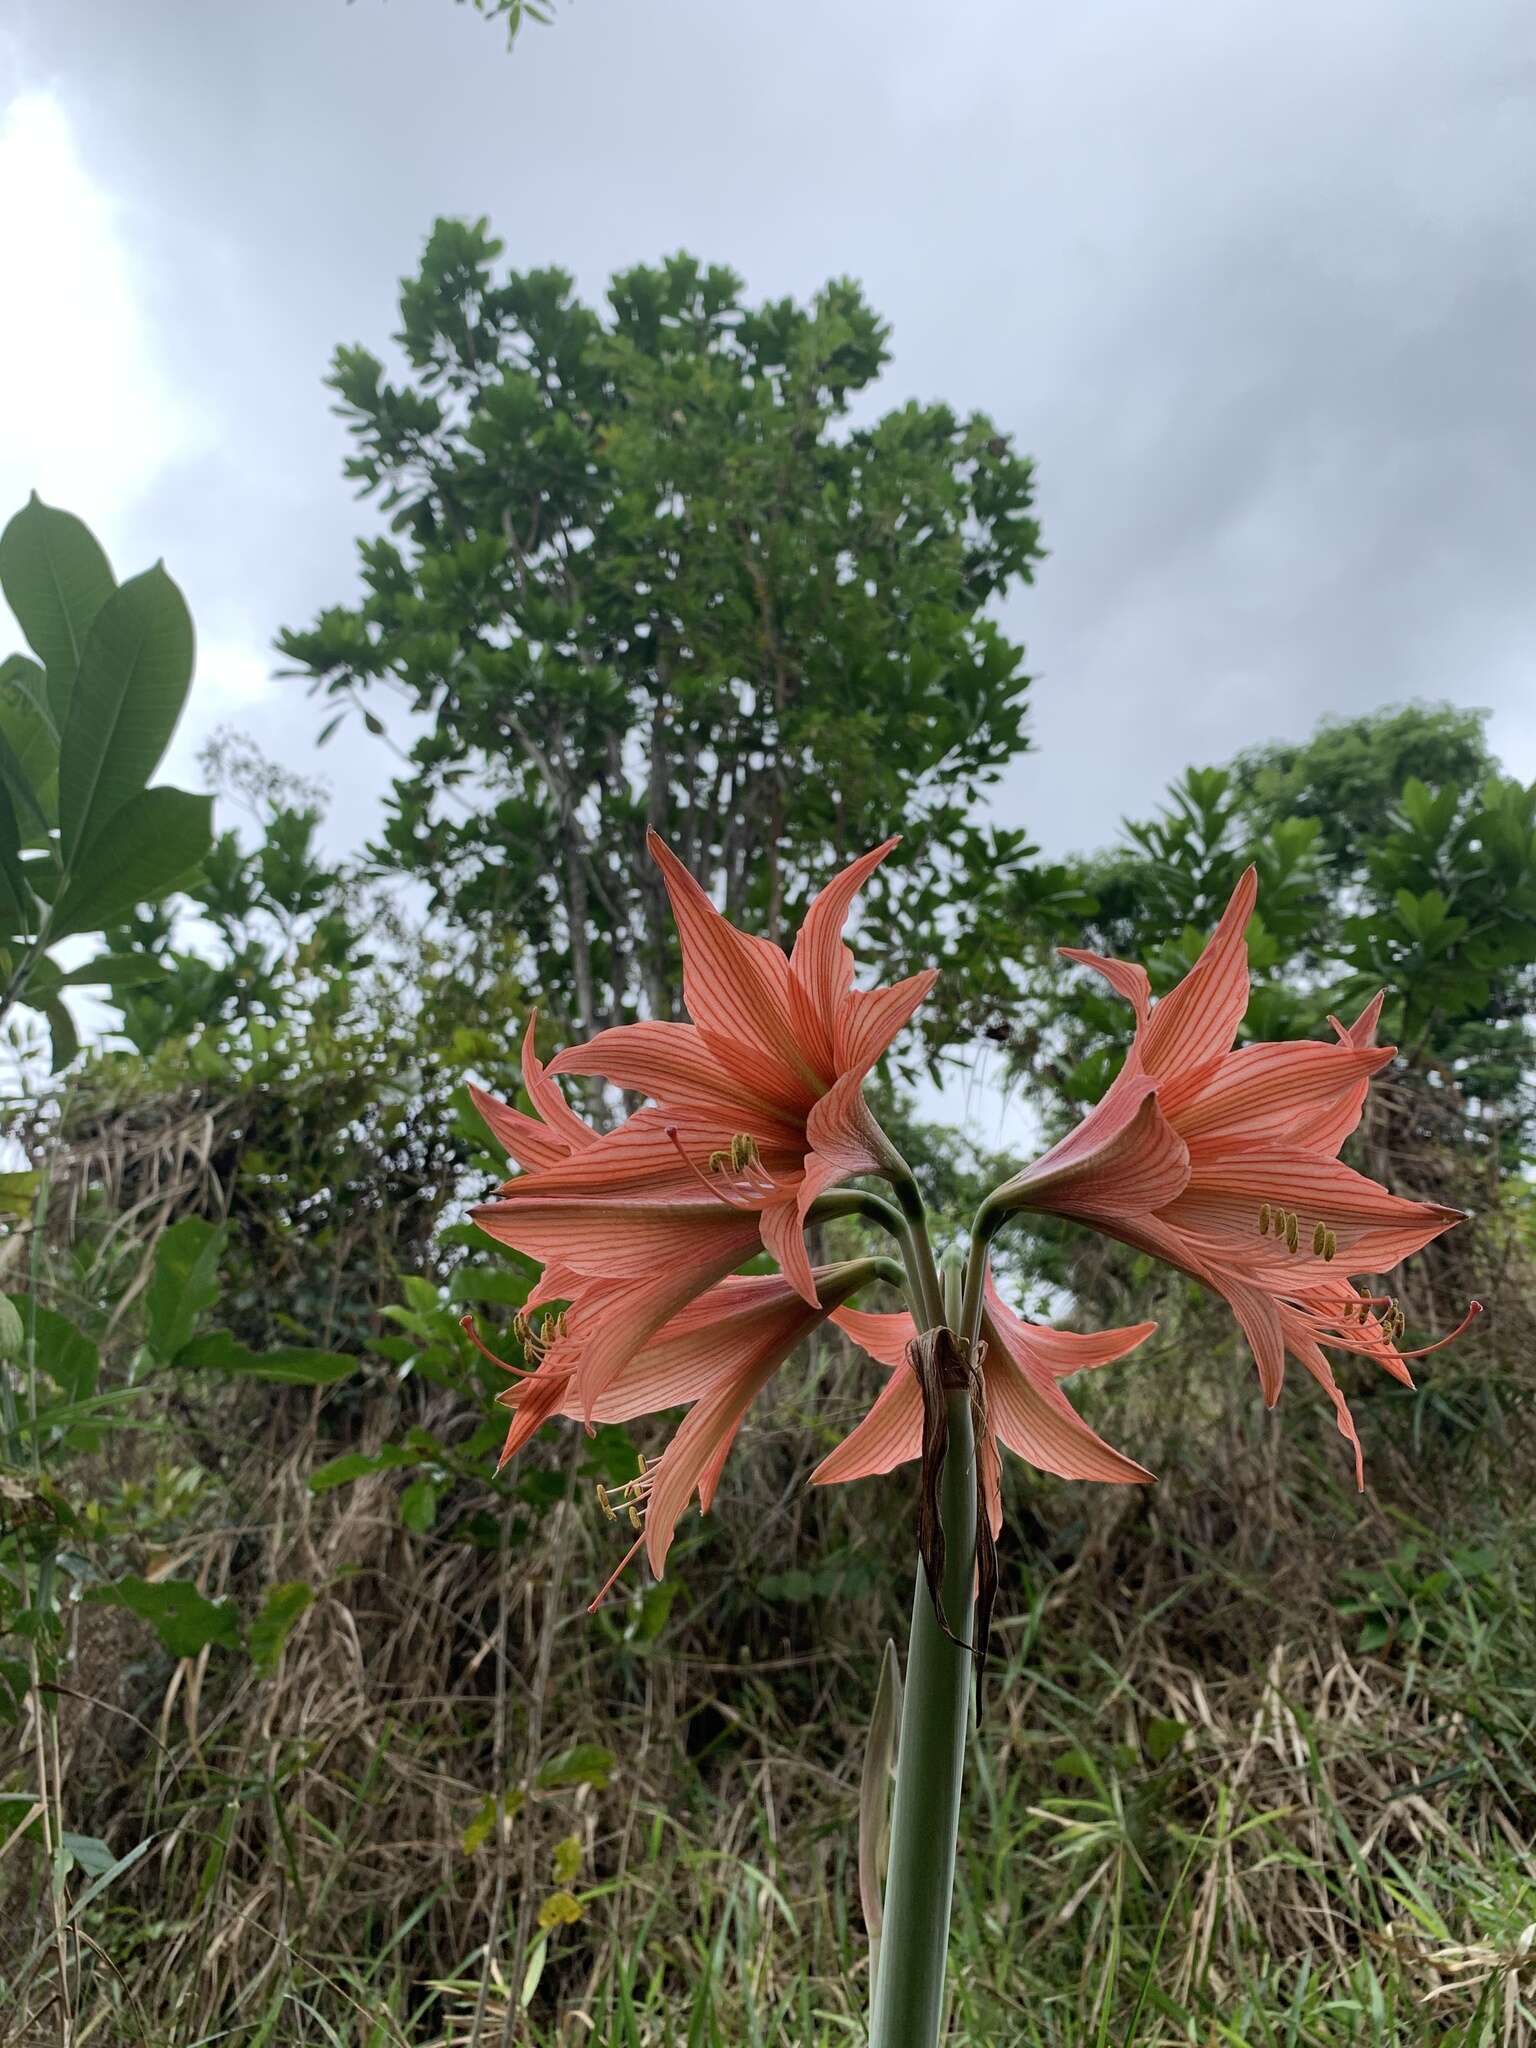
357, 1465
29, 745
154, 842
116, 970
279, 1611
418, 1506
1162, 1737
184, 1621
588, 1763
133, 680
186, 1281
64, 1040
56, 580
293, 1365
92, 1854
66, 1354
18, 906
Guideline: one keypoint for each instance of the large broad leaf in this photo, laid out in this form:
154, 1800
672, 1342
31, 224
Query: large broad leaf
133, 680
154, 842
183, 1619
290, 1365
56, 579
186, 1281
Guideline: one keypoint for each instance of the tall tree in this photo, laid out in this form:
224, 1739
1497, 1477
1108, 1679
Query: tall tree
665, 566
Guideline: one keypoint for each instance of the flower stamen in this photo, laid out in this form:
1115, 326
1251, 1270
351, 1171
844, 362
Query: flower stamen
733, 1174
630, 1497
467, 1325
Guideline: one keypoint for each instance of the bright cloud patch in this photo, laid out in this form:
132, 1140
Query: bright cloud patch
91, 419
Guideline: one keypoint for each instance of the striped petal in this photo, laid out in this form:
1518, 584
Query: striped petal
523, 1138
870, 1020
1129, 1164
1263, 1091
1037, 1422
1199, 1018
736, 988
1059, 1352
821, 966
676, 1066
1126, 977
890, 1434
1374, 1230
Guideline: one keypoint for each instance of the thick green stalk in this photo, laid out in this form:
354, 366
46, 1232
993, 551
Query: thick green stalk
920, 1877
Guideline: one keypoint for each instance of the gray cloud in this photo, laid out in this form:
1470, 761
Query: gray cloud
1255, 285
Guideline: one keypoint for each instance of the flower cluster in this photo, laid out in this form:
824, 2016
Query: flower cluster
1221, 1162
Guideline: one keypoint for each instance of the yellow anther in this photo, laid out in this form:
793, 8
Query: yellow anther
1330, 1244
1263, 1219
744, 1154
718, 1161
1292, 1231
1319, 1239
629, 1497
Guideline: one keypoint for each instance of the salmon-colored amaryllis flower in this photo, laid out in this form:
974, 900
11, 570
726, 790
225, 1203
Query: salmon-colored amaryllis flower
1225, 1164
534, 1143
1022, 1366
758, 1110
774, 1057
716, 1354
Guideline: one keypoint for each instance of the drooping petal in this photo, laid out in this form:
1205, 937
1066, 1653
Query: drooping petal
1126, 977
783, 1224
1258, 1317
1317, 1364
708, 1337
885, 1337
1059, 1352
611, 1338
821, 966
1200, 1017
533, 1402
888, 1436
1037, 1422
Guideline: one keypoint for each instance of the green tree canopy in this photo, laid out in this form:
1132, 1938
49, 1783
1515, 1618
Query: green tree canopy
663, 565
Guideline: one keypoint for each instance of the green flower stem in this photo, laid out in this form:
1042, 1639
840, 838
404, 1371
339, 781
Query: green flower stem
988, 1222
929, 1305
920, 1875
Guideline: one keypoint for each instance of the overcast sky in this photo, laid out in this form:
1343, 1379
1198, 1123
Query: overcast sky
1256, 285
